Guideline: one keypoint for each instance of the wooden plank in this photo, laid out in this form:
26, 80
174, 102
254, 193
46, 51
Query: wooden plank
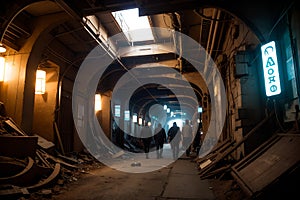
59, 139
256, 172
18, 146
271, 164
258, 151
229, 150
22, 178
46, 182
43, 143
241, 183
13, 193
10, 122
216, 172
218, 150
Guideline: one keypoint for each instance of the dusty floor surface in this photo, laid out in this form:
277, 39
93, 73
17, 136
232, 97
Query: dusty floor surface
179, 180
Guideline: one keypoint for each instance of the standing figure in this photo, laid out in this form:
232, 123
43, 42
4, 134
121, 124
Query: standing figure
146, 134
159, 138
187, 137
174, 137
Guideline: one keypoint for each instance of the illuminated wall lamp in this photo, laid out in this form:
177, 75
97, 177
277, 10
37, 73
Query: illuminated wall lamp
98, 105
2, 48
2, 68
40, 82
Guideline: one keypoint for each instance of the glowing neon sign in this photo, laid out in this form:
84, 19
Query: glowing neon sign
270, 66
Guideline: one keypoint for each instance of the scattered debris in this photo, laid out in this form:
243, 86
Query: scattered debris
32, 168
136, 164
271, 162
213, 163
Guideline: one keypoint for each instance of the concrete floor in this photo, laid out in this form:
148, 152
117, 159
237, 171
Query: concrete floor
178, 180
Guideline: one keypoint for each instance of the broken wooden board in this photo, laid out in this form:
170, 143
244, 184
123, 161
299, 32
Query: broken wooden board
13, 126
18, 177
43, 143
13, 192
18, 146
268, 164
27, 176
231, 148
46, 182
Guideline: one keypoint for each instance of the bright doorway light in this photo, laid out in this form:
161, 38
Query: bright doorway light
2, 68
178, 122
98, 105
129, 20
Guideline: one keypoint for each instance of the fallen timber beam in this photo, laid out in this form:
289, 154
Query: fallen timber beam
49, 180
21, 176
18, 146
232, 148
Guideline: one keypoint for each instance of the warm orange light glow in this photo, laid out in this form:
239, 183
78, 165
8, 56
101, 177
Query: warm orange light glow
98, 105
40, 82
2, 48
2, 68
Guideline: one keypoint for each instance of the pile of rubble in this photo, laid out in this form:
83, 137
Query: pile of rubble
32, 168
272, 166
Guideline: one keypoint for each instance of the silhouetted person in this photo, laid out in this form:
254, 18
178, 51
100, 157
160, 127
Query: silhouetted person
146, 135
159, 138
174, 137
187, 137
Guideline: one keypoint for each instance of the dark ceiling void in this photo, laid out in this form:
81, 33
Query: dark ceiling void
137, 60
151, 94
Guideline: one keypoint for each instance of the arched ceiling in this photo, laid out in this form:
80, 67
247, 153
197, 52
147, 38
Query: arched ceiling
197, 19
